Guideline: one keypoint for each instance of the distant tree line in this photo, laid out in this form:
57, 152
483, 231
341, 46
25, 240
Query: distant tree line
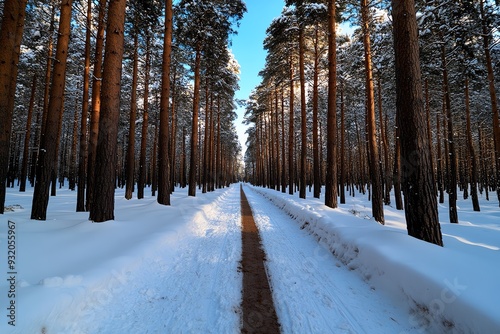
408, 103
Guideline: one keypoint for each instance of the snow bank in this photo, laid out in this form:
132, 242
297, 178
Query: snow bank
445, 289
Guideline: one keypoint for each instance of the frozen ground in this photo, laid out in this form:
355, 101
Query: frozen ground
159, 269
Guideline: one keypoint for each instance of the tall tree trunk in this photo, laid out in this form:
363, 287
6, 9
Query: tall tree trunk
219, 151
204, 169
48, 151
164, 136
385, 146
173, 132
472, 152
154, 172
342, 147
194, 129
420, 201
377, 191
82, 160
183, 160
331, 145
27, 136
145, 119
316, 148
130, 160
484, 173
491, 86
96, 105
429, 132
10, 33
106, 154
291, 133
452, 177
303, 121
277, 140
283, 146
439, 160
397, 169
72, 162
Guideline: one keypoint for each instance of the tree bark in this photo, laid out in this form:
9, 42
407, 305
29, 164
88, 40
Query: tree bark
106, 154
303, 121
10, 33
342, 147
96, 105
291, 133
48, 151
74, 152
145, 119
331, 145
472, 152
374, 166
194, 129
130, 158
164, 136
420, 201
82, 160
452, 177
27, 137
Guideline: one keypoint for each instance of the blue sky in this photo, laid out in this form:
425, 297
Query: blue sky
248, 51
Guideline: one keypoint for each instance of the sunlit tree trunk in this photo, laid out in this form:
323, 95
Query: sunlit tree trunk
83, 154
48, 151
331, 155
164, 136
106, 154
96, 105
374, 166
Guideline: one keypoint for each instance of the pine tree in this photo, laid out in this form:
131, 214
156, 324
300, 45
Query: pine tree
102, 208
51, 130
420, 201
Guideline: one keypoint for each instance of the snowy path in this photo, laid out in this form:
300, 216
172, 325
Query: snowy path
313, 291
195, 290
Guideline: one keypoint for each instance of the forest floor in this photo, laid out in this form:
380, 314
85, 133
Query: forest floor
178, 269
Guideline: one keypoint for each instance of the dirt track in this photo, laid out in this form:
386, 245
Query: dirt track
259, 315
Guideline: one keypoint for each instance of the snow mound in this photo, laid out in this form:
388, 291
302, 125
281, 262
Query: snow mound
450, 289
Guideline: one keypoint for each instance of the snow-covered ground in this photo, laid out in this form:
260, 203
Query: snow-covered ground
159, 269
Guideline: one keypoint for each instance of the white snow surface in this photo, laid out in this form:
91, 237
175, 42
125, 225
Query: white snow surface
174, 269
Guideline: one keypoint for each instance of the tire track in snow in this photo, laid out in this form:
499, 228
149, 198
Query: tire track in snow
258, 311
